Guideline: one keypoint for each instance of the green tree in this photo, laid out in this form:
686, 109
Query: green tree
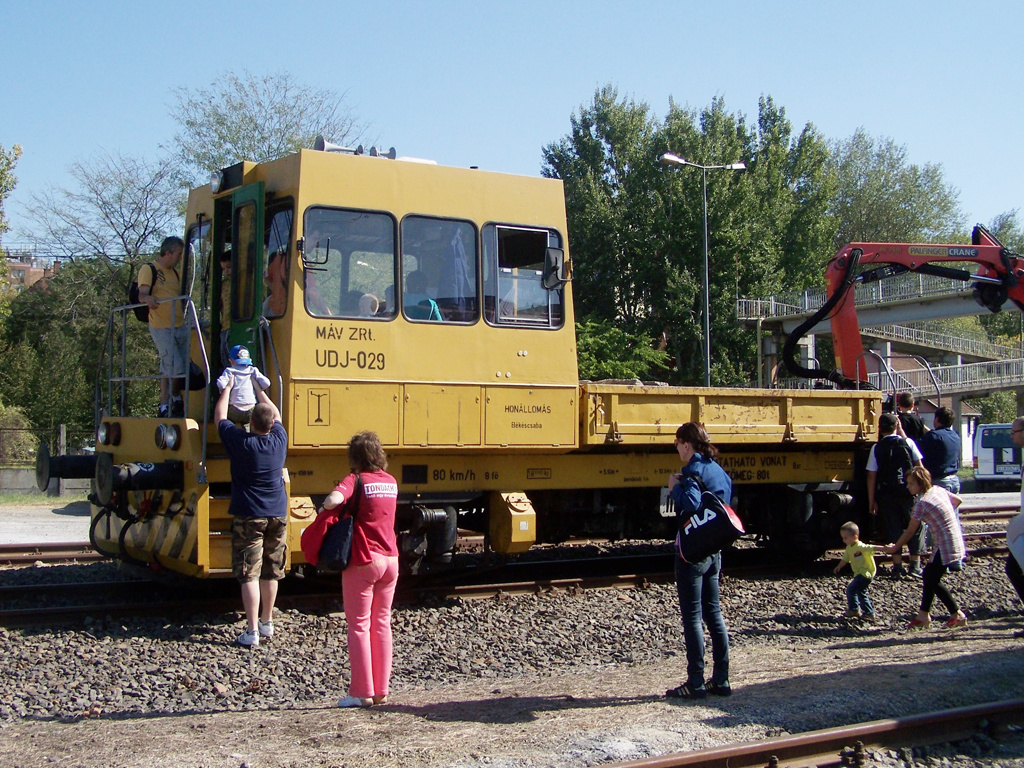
257, 118
882, 197
794, 186
997, 408
607, 352
54, 342
8, 159
607, 164
711, 137
636, 229
1008, 230
17, 442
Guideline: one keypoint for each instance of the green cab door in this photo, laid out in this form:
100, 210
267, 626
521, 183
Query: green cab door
247, 289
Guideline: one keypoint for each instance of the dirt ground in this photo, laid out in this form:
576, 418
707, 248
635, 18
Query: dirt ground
582, 717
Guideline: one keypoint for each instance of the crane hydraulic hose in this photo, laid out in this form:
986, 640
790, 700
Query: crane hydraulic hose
789, 351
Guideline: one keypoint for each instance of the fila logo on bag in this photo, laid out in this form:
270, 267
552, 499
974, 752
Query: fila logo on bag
697, 520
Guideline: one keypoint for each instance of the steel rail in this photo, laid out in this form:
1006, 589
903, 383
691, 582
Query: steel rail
47, 552
823, 747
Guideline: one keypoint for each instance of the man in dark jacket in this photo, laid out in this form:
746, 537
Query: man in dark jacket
941, 451
259, 506
888, 464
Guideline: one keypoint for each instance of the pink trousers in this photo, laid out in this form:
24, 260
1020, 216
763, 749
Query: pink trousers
368, 591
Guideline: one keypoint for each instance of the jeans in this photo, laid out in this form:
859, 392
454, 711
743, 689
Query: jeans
857, 595
950, 482
368, 591
697, 585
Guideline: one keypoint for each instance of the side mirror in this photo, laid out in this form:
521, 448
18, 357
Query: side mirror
313, 262
554, 269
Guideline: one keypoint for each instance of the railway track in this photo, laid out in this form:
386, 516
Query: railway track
846, 745
74, 601
68, 602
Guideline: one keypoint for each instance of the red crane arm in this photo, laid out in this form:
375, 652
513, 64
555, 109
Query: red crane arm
998, 277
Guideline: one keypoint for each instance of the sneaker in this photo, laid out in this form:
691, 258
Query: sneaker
265, 628
353, 701
249, 639
898, 572
868, 617
687, 691
177, 408
723, 689
916, 571
163, 411
852, 614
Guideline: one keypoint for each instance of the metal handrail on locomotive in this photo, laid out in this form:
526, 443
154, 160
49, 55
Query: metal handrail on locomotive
433, 305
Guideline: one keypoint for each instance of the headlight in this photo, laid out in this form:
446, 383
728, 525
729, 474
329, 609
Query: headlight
216, 181
168, 436
109, 433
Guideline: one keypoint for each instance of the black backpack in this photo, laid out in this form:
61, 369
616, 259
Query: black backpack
894, 464
141, 313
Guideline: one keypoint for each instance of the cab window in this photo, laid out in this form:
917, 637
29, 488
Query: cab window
278, 236
197, 267
439, 270
514, 293
245, 234
349, 260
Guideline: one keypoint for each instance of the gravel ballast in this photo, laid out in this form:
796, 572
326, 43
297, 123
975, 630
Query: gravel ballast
509, 661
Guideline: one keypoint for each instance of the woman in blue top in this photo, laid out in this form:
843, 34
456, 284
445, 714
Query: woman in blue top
697, 583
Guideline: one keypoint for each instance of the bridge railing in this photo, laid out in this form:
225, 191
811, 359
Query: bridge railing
899, 288
967, 343
974, 377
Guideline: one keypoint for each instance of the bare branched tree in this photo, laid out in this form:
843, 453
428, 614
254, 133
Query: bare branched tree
120, 208
257, 118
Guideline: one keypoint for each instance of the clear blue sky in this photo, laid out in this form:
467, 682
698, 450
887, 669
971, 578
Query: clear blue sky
489, 84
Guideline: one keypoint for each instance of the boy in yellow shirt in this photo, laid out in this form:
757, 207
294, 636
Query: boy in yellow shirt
861, 558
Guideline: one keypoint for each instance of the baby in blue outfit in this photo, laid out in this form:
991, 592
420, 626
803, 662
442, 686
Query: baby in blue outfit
242, 399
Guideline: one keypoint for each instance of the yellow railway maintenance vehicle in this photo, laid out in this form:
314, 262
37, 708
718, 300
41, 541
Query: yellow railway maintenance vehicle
432, 305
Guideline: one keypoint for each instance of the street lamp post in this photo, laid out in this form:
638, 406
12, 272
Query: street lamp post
669, 159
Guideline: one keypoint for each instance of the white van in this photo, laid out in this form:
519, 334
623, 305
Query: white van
996, 458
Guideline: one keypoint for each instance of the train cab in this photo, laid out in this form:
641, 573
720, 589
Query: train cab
426, 303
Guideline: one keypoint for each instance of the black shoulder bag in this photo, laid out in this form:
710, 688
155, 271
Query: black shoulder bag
336, 549
711, 527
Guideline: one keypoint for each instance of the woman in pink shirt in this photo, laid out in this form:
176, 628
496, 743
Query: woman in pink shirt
368, 583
